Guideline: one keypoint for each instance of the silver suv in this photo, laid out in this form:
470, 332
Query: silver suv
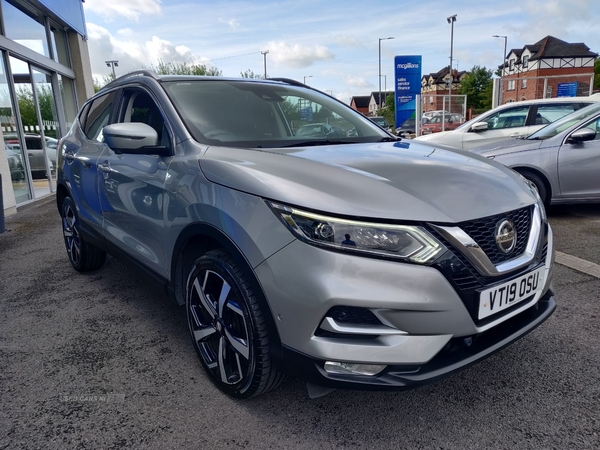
350, 261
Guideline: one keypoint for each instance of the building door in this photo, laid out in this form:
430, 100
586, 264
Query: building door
38, 127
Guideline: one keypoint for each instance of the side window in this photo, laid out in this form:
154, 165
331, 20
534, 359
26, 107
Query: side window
508, 118
595, 125
139, 106
98, 117
552, 112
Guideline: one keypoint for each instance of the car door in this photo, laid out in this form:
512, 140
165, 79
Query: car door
131, 187
542, 114
579, 166
504, 124
80, 155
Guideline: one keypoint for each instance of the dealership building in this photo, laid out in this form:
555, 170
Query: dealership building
45, 76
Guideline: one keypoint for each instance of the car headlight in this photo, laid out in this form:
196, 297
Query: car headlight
536, 194
406, 242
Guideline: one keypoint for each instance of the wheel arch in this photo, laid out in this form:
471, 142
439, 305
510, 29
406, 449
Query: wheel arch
541, 175
199, 238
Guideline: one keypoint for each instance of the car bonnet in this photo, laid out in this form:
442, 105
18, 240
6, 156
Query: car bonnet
397, 181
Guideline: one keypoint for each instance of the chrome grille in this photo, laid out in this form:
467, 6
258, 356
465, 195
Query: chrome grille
482, 231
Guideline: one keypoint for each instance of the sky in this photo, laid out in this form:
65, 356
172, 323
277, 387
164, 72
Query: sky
332, 46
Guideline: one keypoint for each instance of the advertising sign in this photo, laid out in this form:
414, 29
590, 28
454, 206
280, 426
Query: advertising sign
567, 89
408, 86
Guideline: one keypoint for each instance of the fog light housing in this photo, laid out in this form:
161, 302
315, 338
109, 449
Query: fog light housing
345, 368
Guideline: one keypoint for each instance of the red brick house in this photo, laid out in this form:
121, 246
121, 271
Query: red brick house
537, 70
434, 87
361, 103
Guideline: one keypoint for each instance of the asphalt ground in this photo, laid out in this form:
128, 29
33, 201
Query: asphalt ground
103, 361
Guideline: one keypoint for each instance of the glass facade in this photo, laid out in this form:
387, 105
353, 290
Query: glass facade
38, 97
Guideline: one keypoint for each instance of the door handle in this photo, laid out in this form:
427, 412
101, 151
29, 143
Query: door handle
105, 169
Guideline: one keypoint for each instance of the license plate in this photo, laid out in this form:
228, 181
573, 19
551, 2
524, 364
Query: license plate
499, 298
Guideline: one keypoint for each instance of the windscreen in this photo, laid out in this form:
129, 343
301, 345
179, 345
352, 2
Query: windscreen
266, 115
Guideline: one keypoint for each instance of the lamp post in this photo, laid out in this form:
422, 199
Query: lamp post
451, 21
112, 64
307, 76
379, 100
265, 58
504, 55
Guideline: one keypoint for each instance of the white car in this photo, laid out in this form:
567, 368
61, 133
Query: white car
512, 120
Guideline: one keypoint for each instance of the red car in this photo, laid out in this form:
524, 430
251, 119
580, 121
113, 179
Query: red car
451, 121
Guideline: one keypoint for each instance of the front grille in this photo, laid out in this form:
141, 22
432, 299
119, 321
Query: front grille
483, 231
467, 281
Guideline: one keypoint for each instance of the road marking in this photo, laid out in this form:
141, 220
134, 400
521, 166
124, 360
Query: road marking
578, 264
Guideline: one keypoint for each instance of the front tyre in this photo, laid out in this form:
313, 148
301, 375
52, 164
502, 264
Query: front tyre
83, 255
228, 327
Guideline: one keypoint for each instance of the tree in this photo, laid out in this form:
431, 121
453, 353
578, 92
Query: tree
477, 85
105, 80
183, 68
597, 73
389, 110
250, 74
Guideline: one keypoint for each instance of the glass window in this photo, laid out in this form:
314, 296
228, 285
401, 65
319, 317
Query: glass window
10, 140
139, 106
60, 45
523, 84
67, 93
525, 62
508, 118
98, 117
25, 27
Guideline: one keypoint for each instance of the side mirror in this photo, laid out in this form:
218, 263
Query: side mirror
581, 135
133, 138
479, 126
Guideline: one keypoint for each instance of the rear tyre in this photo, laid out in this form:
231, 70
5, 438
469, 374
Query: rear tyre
229, 328
540, 185
83, 256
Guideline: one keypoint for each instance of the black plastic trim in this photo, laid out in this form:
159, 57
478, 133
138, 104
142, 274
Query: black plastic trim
450, 360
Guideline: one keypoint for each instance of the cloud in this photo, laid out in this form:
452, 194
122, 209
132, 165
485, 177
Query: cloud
234, 24
133, 55
357, 82
297, 55
131, 9
348, 41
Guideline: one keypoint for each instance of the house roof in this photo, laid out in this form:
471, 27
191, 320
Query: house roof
551, 47
375, 95
361, 101
438, 77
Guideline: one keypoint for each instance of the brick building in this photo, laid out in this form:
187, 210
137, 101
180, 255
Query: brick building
434, 87
549, 68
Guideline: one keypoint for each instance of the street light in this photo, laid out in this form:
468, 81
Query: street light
265, 57
381, 39
504, 55
112, 64
307, 76
451, 21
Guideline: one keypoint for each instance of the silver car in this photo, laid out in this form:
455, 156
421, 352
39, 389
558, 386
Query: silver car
511, 120
357, 261
562, 159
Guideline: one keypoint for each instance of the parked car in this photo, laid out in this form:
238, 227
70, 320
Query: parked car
320, 130
15, 163
366, 262
512, 120
381, 121
562, 159
407, 129
35, 153
426, 116
439, 123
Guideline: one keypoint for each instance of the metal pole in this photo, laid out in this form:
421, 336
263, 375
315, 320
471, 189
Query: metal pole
379, 99
451, 21
2, 226
265, 58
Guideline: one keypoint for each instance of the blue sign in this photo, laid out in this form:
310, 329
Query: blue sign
567, 89
408, 86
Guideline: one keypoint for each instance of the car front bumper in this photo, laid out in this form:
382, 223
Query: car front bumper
454, 357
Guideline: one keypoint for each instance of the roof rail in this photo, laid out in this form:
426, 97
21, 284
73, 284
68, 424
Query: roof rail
288, 81
135, 73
